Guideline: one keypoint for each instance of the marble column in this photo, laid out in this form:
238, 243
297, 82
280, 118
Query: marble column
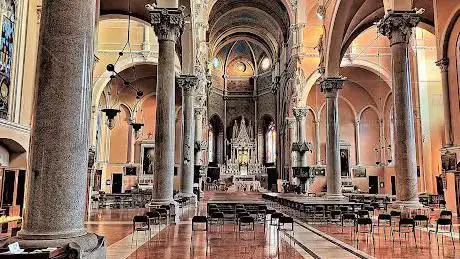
188, 85
54, 208
443, 64
200, 144
330, 87
397, 26
317, 142
357, 142
292, 126
168, 25
301, 117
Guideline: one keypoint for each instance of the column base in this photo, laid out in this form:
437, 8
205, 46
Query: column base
174, 208
335, 197
404, 205
89, 246
193, 198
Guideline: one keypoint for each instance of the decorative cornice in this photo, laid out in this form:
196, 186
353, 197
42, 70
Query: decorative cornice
187, 83
331, 85
443, 64
168, 23
397, 26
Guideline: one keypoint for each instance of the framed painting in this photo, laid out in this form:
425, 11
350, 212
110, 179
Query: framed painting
147, 159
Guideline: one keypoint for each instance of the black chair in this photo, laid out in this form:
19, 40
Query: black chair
269, 212
349, 219
442, 204
395, 217
199, 220
274, 218
422, 221
365, 226
445, 214
334, 217
406, 226
282, 222
344, 209
386, 220
154, 219
443, 226
140, 224
363, 214
246, 221
217, 219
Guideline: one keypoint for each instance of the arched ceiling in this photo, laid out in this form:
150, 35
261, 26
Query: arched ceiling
142, 77
261, 22
353, 17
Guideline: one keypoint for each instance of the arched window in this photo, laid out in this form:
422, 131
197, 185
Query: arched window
270, 144
7, 21
211, 145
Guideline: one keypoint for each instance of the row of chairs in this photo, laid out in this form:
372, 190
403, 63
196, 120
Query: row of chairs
361, 222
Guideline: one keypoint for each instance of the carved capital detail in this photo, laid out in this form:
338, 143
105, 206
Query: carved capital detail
187, 83
300, 113
302, 147
200, 101
331, 85
443, 64
200, 145
397, 26
199, 111
167, 23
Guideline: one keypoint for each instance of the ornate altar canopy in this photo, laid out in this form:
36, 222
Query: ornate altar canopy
243, 164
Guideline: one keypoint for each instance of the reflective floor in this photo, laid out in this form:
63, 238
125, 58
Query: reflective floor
308, 241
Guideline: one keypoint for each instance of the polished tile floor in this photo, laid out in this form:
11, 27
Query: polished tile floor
308, 240
175, 240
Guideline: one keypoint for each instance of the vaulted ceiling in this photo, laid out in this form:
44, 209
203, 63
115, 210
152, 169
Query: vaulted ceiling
261, 22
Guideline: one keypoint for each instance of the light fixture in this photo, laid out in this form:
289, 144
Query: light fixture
321, 12
111, 114
216, 62
240, 66
266, 63
137, 126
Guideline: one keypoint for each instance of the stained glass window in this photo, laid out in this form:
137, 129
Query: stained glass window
6, 54
211, 145
270, 144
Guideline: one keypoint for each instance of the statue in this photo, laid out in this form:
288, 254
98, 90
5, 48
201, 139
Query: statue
320, 48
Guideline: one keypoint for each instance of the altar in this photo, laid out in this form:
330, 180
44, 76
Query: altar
242, 165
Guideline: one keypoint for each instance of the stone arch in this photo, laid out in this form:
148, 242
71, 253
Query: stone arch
13, 153
454, 17
369, 107
349, 104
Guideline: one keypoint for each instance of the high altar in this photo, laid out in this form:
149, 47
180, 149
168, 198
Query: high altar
242, 164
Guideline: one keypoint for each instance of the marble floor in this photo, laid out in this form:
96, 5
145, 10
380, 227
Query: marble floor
307, 241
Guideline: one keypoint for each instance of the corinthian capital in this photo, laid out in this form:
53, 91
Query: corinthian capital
187, 83
300, 113
443, 64
167, 23
397, 26
331, 85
